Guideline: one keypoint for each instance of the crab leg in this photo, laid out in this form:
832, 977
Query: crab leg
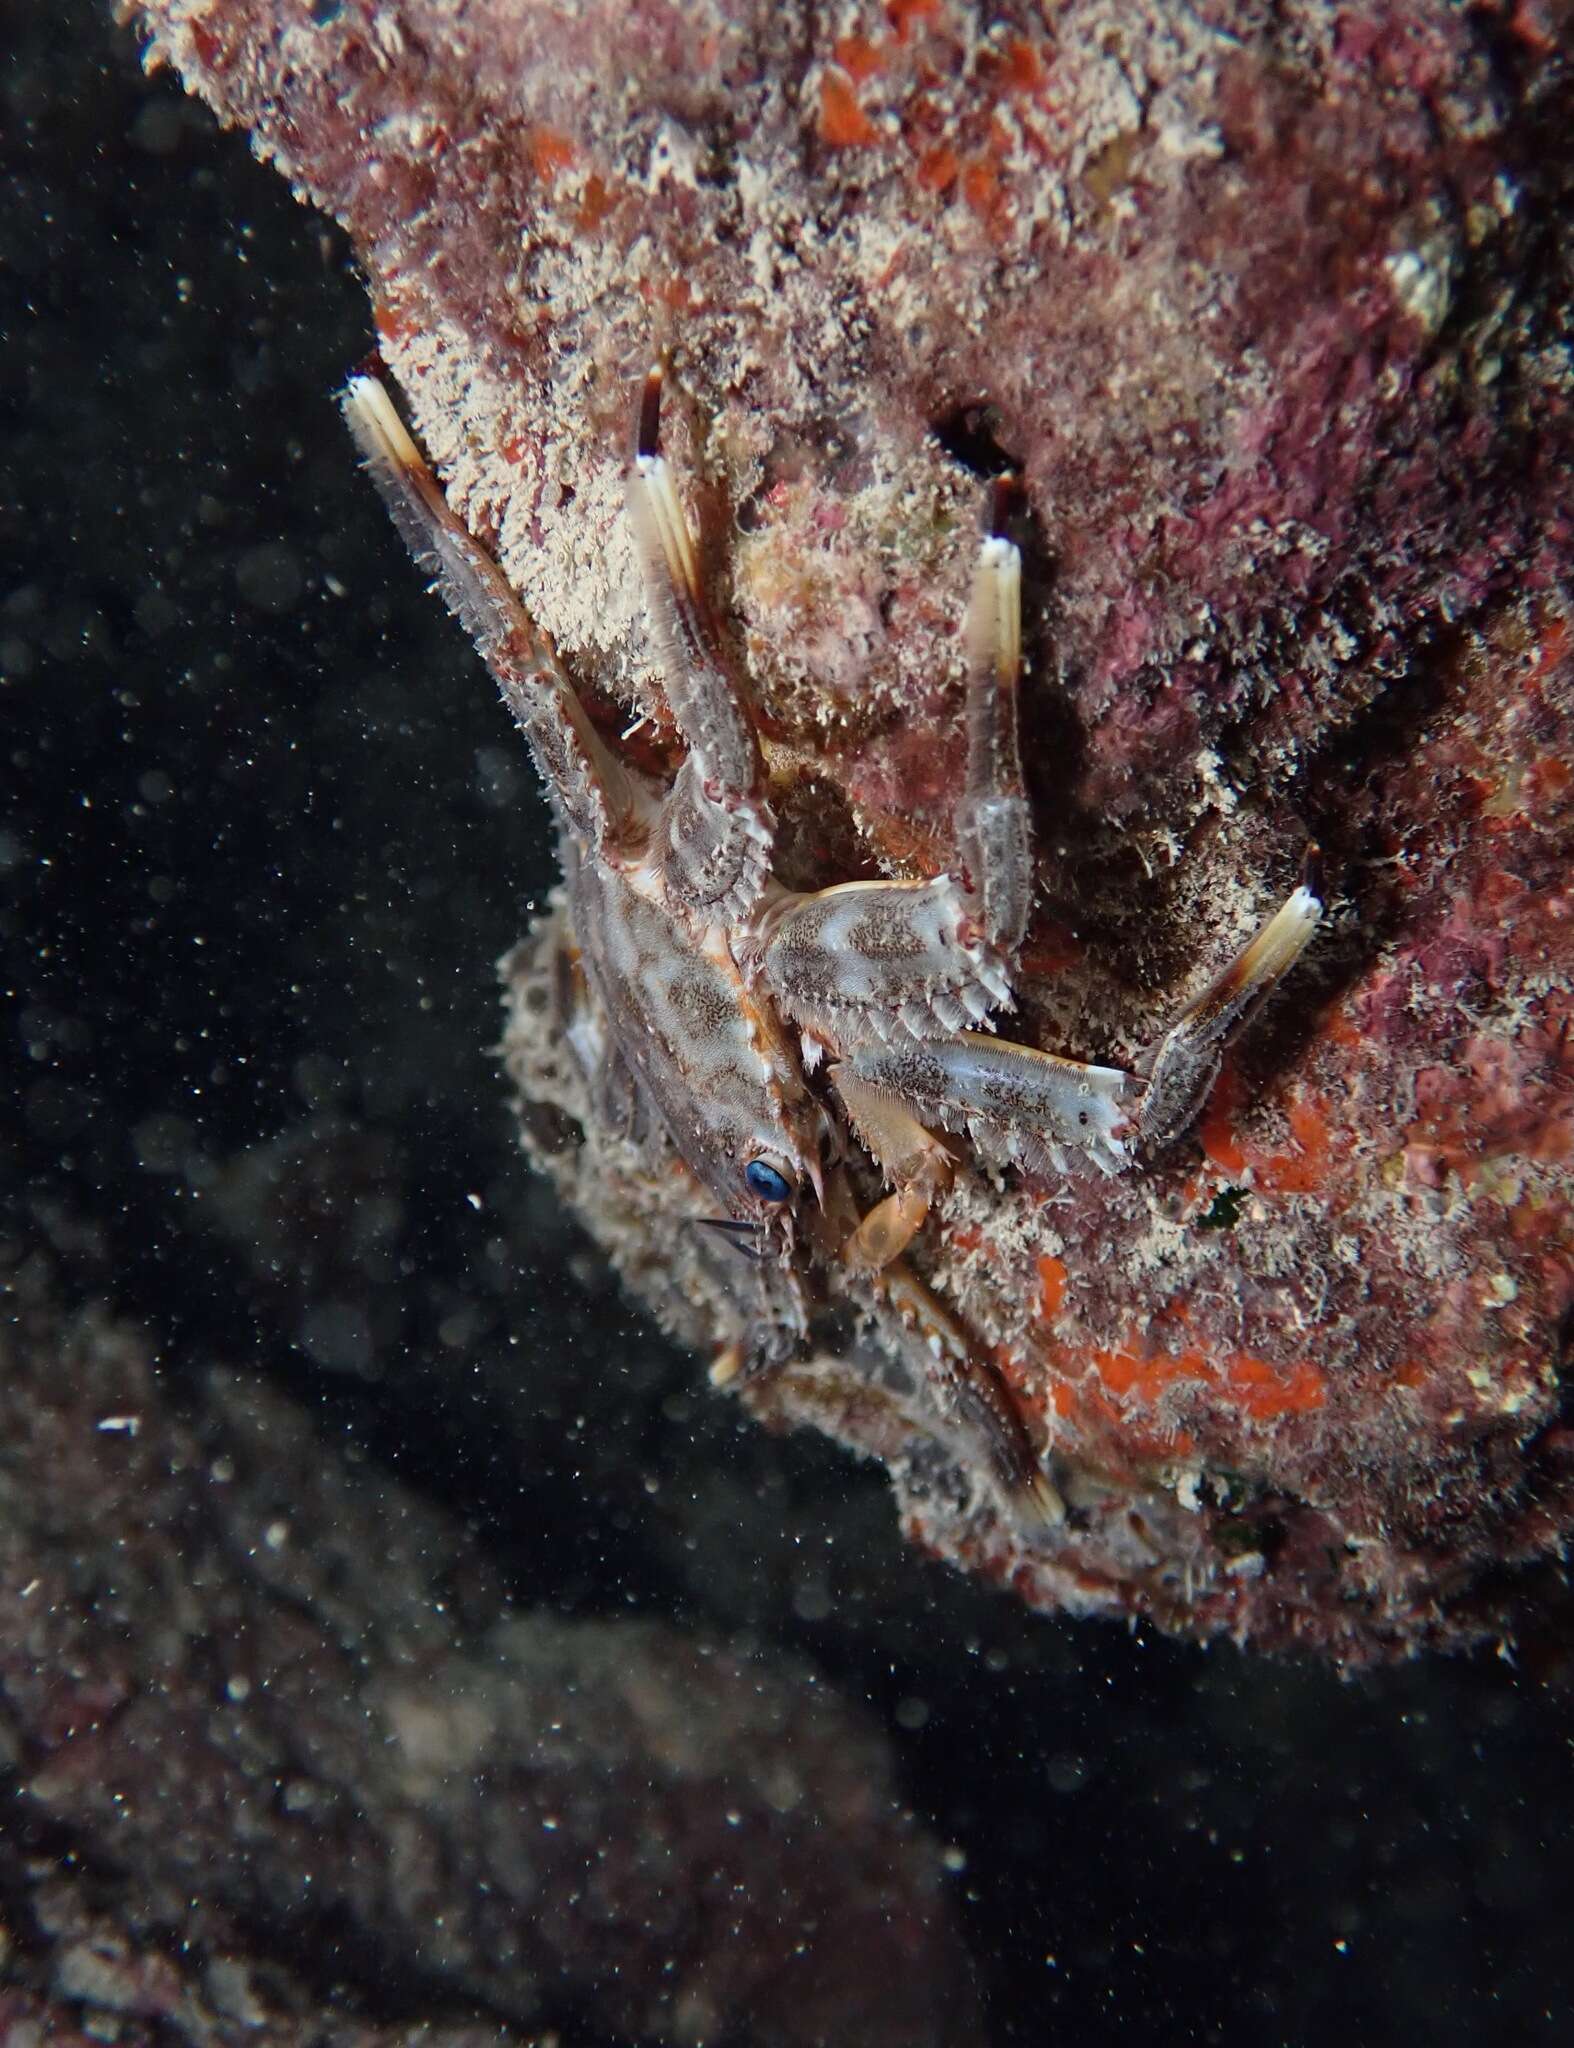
898, 960
975, 1401
719, 827
1033, 1109
1184, 1064
1020, 1107
912, 1159
993, 827
971, 1393
589, 784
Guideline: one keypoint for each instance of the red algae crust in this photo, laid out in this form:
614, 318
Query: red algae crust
1272, 309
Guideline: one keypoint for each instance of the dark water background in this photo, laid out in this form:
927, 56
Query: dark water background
265, 831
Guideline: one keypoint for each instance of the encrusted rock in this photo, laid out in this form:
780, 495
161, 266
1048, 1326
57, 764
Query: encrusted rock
1272, 308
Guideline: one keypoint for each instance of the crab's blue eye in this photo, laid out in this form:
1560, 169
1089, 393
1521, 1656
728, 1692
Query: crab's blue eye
763, 1180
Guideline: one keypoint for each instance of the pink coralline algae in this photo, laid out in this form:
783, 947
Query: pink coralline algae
1271, 307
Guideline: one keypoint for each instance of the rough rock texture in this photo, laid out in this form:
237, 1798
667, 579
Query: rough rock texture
1272, 307
284, 1757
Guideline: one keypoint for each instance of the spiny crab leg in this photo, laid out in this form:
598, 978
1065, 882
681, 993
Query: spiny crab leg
719, 826
898, 960
1032, 1109
978, 1398
968, 1388
1019, 1106
588, 782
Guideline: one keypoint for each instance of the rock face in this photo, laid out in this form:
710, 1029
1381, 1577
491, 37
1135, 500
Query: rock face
1272, 309
279, 1711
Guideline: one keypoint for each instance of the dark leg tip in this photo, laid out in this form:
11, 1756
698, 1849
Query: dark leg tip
648, 437
1006, 501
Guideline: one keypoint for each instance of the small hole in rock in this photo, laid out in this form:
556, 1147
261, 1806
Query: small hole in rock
969, 435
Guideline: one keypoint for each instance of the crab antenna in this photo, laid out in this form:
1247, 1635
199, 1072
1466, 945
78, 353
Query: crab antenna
741, 1224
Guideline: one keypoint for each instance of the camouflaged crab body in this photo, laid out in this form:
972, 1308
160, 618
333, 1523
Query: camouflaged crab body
807, 1325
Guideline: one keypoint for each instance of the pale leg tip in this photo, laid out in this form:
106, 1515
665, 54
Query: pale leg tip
1041, 1501
726, 1366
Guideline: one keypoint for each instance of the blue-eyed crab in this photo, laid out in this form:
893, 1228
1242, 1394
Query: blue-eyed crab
776, 1038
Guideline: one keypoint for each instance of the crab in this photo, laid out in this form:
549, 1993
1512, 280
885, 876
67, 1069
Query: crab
776, 1037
